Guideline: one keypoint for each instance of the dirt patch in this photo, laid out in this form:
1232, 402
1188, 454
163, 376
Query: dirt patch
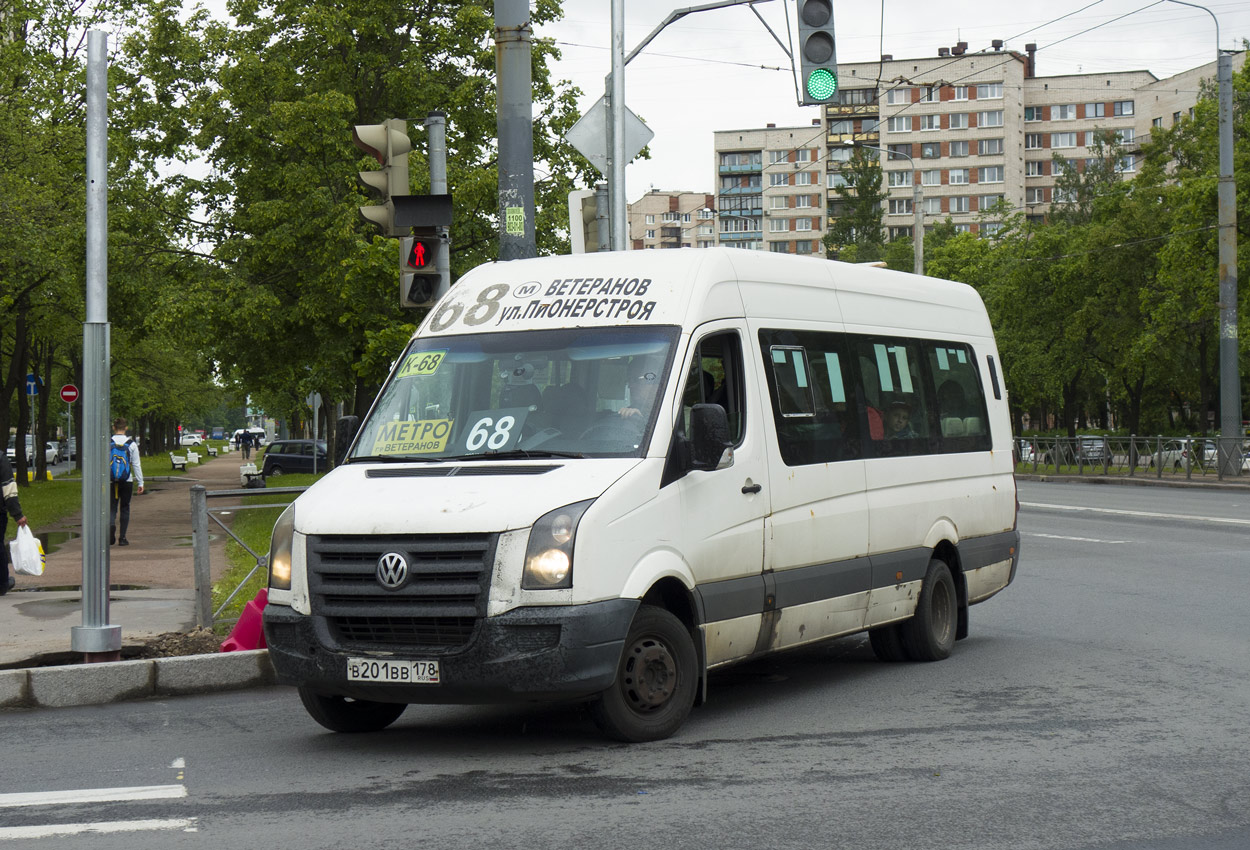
171, 644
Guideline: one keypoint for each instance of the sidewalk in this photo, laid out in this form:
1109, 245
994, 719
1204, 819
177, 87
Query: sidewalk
152, 579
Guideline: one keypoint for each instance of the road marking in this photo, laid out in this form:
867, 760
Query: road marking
1143, 514
13, 833
1077, 539
92, 795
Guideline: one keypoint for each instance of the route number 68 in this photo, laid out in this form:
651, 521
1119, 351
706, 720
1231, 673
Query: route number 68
481, 434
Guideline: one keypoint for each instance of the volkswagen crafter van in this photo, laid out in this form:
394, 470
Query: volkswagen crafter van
598, 477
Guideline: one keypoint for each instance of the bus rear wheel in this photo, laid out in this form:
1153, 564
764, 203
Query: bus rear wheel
930, 634
655, 681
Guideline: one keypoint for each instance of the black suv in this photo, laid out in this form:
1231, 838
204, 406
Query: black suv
285, 456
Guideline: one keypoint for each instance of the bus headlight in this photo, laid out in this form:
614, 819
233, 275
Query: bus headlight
280, 550
549, 556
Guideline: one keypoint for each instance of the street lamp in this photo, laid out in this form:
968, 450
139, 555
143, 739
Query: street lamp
1230, 377
916, 202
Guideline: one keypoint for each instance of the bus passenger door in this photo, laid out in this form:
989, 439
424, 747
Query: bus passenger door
723, 510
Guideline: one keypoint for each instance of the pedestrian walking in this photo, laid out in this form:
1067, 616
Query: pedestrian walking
126, 476
8, 492
247, 440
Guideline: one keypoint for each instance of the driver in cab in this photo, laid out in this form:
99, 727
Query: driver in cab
643, 383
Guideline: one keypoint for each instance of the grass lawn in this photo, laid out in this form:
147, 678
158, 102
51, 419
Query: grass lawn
255, 528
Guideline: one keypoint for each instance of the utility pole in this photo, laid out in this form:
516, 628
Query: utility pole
1229, 446
95, 638
515, 129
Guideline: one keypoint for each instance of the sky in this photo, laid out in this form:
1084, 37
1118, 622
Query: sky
721, 70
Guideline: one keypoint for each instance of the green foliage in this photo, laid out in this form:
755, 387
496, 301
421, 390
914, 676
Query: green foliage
855, 235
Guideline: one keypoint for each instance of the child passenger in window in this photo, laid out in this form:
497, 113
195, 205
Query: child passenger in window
898, 421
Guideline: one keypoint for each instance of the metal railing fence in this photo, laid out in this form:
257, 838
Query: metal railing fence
1219, 458
201, 513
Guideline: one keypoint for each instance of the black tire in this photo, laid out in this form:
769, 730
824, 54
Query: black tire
274, 470
342, 714
887, 643
655, 680
930, 634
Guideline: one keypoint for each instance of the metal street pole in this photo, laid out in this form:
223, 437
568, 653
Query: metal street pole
619, 225
917, 202
95, 638
1230, 373
436, 136
515, 123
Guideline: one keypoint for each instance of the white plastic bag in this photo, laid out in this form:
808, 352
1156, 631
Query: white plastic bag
27, 552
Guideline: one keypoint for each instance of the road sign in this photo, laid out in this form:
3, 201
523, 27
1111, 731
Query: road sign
590, 135
32, 384
69, 393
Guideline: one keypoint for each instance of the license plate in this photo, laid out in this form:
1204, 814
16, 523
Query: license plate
396, 672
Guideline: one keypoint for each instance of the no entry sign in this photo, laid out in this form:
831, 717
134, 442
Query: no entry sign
69, 393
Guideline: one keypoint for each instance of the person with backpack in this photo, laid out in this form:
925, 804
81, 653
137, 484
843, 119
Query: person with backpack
125, 475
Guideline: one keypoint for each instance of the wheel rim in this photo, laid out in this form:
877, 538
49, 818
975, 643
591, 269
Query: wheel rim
649, 676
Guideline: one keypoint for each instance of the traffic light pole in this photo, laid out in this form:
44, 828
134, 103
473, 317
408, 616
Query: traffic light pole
514, 120
95, 638
614, 98
436, 137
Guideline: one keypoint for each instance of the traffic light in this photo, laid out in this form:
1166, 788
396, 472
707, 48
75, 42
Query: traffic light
419, 278
818, 56
389, 144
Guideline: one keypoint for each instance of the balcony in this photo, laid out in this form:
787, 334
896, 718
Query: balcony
749, 168
872, 137
843, 110
741, 236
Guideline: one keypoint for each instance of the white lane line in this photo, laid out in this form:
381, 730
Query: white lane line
92, 795
1077, 539
1143, 514
13, 833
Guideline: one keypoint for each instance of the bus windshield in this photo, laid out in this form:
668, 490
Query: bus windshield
571, 392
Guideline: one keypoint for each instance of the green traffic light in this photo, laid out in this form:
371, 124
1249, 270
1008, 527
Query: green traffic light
822, 84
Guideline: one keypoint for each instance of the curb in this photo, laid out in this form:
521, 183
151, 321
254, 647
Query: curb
121, 681
1135, 481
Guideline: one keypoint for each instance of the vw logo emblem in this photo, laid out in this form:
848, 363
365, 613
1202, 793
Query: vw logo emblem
392, 570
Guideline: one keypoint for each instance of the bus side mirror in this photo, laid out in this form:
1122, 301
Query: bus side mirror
344, 432
710, 446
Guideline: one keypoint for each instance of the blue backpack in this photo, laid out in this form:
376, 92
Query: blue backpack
119, 460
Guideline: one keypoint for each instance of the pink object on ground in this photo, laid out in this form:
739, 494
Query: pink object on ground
249, 632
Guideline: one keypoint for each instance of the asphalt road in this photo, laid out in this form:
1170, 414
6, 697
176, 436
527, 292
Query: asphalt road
1101, 701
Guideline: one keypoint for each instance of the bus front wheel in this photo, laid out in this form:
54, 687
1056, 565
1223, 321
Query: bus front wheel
655, 681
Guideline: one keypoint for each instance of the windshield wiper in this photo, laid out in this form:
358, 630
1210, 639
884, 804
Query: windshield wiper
513, 454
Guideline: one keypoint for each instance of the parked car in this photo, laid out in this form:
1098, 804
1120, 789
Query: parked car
1024, 451
60, 451
259, 437
191, 439
286, 456
49, 450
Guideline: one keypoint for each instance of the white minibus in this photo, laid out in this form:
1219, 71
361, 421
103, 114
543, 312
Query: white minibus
599, 477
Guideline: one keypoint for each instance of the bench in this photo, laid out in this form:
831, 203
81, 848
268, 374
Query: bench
177, 461
193, 457
212, 452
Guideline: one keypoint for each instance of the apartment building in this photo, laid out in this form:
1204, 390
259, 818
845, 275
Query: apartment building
770, 188
672, 220
977, 131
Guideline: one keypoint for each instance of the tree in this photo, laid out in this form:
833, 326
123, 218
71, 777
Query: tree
302, 296
856, 235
